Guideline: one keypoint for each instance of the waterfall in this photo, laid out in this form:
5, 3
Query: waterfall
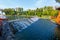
24, 23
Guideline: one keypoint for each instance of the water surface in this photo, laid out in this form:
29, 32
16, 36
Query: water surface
40, 30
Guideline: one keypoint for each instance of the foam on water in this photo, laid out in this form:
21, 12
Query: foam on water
30, 20
34, 19
24, 23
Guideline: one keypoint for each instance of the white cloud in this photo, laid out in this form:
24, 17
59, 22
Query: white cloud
39, 3
42, 3
28, 8
2, 6
10, 3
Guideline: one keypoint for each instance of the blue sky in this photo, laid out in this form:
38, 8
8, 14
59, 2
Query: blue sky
27, 4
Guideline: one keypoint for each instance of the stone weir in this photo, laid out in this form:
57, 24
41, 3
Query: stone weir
21, 24
9, 28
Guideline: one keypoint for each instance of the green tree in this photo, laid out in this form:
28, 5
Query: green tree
19, 11
9, 11
54, 13
47, 10
57, 1
39, 11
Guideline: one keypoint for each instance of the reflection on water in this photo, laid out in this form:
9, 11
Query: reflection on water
58, 32
34, 29
40, 30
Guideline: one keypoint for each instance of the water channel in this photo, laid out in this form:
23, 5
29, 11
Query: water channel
33, 29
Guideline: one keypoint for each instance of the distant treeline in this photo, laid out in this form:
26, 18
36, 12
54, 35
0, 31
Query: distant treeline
45, 11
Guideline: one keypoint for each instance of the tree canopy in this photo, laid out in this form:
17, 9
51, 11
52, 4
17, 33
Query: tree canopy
44, 11
57, 1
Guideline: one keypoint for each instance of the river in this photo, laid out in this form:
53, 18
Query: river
33, 29
42, 29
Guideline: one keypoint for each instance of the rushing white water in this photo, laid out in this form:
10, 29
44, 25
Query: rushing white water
34, 18
30, 20
24, 23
